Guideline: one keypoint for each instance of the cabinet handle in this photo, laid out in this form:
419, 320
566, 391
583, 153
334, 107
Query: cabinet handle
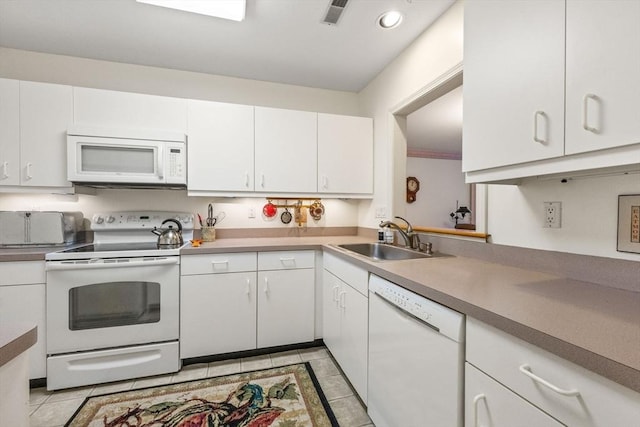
290, 260
325, 182
343, 297
248, 291
536, 115
336, 288
262, 180
477, 400
29, 175
5, 170
585, 109
266, 285
246, 179
160, 162
223, 264
526, 369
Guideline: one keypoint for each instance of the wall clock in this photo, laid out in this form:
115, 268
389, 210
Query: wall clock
413, 185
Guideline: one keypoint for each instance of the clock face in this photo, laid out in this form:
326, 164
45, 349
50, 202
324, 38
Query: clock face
412, 184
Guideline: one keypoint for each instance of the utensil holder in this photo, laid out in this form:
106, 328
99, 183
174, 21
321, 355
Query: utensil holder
208, 234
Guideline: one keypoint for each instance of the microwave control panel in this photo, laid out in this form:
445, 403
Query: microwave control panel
176, 163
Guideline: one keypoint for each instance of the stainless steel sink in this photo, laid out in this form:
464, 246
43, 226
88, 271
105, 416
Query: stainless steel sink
383, 252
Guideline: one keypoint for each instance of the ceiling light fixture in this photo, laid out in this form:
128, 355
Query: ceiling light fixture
233, 10
390, 19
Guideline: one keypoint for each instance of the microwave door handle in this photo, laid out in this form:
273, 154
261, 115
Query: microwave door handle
160, 162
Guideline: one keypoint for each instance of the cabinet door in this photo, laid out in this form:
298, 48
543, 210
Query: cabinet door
26, 303
354, 336
603, 74
217, 313
345, 154
122, 110
489, 404
286, 307
220, 154
286, 150
513, 82
46, 111
9, 132
331, 286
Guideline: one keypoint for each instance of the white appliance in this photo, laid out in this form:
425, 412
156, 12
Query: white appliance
416, 359
113, 305
33, 228
132, 158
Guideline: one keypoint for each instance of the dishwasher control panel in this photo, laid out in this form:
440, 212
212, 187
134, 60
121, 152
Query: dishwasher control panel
444, 320
408, 301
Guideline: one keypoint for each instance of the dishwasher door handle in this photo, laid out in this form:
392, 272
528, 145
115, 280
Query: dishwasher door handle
406, 313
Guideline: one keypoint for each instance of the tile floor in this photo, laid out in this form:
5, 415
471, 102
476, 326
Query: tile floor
53, 409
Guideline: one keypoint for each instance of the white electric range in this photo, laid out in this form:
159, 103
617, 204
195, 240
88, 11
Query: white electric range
113, 305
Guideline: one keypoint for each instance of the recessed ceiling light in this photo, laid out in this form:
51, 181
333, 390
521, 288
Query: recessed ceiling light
390, 19
225, 9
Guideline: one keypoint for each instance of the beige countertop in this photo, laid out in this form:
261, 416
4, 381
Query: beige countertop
594, 326
15, 339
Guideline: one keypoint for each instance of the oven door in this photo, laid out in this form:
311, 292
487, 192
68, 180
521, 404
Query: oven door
93, 304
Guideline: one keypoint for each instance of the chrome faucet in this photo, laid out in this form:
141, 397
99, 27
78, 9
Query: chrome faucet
411, 238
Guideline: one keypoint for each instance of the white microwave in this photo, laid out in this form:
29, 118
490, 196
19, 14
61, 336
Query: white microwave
126, 158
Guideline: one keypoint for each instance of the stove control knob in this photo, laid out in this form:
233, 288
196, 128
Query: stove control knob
110, 219
98, 219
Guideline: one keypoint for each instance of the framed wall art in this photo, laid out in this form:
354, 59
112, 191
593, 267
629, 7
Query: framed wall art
629, 223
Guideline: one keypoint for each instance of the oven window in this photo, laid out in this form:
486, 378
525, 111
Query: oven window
115, 159
108, 304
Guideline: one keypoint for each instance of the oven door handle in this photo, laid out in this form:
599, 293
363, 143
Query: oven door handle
118, 263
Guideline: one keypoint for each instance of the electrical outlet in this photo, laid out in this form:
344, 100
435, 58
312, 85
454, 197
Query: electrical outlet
251, 213
552, 214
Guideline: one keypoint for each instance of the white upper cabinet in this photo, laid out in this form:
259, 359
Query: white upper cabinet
603, 74
286, 150
46, 111
529, 113
345, 154
9, 132
125, 110
220, 147
513, 82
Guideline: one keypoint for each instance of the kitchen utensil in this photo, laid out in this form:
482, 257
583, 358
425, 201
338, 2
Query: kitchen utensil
286, 216
269, 210
210, 219
169, 237
316, 210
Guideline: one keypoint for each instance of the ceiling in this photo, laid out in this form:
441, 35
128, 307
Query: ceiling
437, 127
280, 41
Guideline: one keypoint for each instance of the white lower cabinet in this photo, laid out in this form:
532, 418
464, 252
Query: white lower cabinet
22, 299
286, 298
569, 393
490, 404
345, 320
217, 304
228, 303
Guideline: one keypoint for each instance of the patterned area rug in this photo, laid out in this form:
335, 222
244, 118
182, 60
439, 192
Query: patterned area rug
287, 396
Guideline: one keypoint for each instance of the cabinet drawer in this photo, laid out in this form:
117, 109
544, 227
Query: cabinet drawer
22, 273
356, 277
488, 403
286, 260
218, 263
512, 362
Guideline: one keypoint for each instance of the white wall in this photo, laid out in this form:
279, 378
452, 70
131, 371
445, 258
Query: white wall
432, 54
25, 65
589, 214
433, 205
338, 213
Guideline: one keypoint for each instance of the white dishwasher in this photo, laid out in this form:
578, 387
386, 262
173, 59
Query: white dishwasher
416, 359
